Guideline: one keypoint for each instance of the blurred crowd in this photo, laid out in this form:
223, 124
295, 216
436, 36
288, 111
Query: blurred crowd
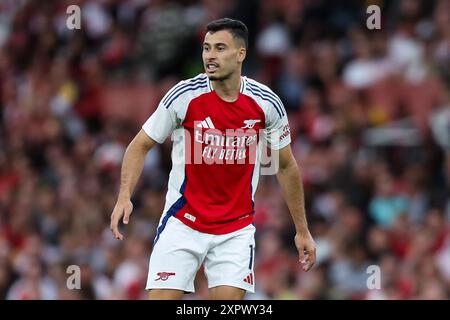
370, 118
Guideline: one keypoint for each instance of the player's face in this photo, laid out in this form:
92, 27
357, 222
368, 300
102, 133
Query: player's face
222, 55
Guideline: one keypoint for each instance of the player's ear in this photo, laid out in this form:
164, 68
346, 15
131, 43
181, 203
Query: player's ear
241, 54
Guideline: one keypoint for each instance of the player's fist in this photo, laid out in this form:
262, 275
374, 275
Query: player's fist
123, 209
306, 249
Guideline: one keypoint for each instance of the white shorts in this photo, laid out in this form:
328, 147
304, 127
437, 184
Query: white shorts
180, 251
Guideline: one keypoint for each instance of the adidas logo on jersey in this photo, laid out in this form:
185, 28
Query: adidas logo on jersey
207, 124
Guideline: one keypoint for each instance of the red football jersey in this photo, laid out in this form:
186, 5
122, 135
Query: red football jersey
216, 151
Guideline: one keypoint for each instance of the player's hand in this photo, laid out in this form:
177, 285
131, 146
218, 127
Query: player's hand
306, 249
123, 209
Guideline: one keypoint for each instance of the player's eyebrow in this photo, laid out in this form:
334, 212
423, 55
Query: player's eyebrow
216, 44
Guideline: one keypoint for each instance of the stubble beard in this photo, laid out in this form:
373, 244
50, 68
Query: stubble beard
222, 78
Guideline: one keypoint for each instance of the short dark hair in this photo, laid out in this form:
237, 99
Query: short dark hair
237, 28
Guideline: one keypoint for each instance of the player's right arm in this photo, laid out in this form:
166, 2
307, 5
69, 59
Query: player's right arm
155, 130
132, 165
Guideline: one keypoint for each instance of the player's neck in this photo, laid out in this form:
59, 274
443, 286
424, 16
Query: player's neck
228, 90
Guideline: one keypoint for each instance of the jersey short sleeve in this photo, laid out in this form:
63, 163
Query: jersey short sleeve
173, 107
160, 124
277, 133
166, 117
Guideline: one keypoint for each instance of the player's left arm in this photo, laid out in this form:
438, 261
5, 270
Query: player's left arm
291, 184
